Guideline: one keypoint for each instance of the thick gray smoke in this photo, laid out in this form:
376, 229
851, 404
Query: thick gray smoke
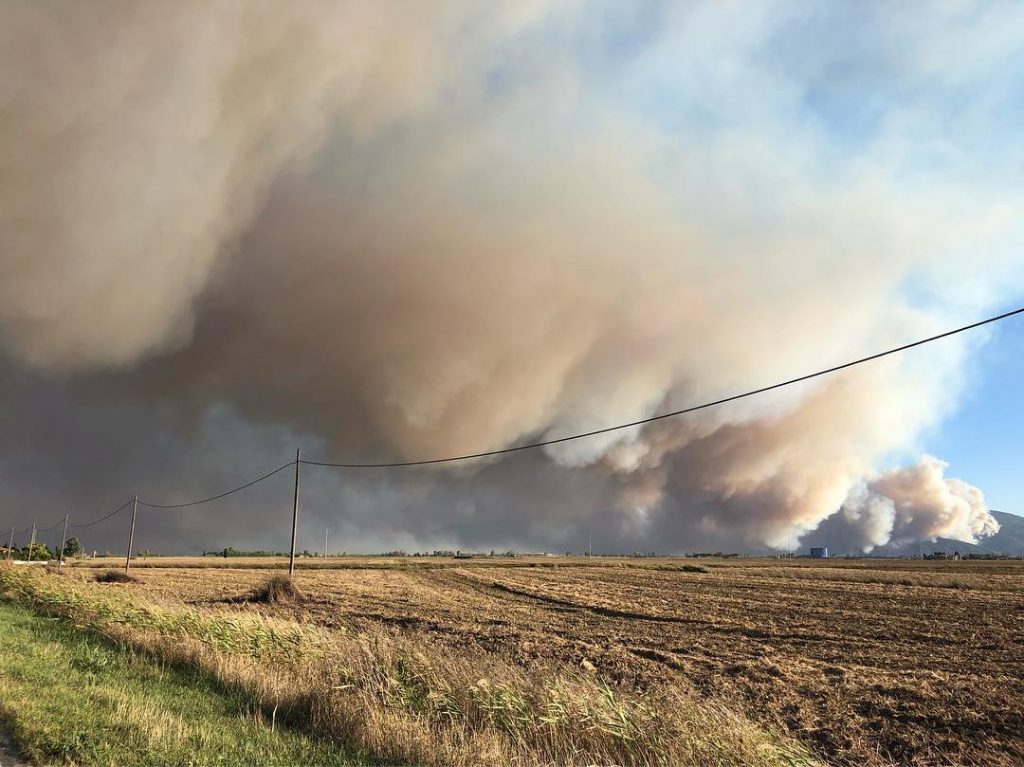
395, 232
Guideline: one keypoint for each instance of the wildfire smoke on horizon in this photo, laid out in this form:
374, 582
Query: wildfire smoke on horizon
399, 232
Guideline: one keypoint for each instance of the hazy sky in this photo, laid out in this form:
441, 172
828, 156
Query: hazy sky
389, 231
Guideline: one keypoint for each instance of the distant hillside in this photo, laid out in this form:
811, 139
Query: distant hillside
945, 545
1010, 538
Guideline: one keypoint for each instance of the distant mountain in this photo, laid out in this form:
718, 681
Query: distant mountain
945, 545
1010, 538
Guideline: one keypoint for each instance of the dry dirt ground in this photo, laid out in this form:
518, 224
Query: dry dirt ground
9, 756
866, 661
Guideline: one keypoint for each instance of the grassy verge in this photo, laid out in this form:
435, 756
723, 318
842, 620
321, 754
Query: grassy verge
402, 700
70, 699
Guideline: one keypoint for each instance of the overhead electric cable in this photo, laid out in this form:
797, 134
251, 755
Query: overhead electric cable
558, 440
122, 507
219, 495
51, 527
672, 414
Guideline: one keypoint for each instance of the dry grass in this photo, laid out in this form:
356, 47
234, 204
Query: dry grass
68, 698
866, 662
406, 701
276, 590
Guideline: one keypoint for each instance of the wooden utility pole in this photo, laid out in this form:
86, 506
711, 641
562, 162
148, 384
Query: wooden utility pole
10, 545
295, 513
590, 545
326, 530
32, 542
131, 534
63, 543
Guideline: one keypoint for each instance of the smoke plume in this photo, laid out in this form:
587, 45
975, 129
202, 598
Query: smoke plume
399, 233
918, 503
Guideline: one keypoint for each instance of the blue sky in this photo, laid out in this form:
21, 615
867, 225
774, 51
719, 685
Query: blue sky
982, 441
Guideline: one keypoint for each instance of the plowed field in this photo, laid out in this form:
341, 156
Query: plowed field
868, 662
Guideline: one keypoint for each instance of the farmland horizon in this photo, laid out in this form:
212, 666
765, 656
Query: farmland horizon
653, 366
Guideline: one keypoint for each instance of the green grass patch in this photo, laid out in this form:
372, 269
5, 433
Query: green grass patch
68, 698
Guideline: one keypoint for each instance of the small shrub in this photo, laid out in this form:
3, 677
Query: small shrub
280, 589
116, 576
37, 552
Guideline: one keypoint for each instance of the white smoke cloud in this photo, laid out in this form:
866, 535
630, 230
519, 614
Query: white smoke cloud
418, 231
918, 502
909, 504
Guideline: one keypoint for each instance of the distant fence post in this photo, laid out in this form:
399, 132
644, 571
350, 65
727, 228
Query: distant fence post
131, 534
295, 513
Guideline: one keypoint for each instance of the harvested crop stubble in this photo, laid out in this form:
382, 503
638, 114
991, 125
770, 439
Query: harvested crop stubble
400, 700
867, 662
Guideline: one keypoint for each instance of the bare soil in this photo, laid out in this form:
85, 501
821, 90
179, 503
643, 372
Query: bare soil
9, 756
866, 661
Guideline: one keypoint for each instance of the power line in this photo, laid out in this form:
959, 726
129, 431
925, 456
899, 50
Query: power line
674, 413
558, 440
51, 527
215, 497
298, 461
120, 508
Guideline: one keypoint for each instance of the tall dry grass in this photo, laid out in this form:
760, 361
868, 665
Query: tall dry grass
400, 700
